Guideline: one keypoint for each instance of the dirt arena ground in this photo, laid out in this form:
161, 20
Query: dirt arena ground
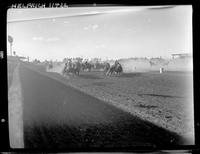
162, 99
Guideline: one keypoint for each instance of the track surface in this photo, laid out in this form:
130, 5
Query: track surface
58, 116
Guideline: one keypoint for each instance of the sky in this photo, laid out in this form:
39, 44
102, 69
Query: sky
103, 32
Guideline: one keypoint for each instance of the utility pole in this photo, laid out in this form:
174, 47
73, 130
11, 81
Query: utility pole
10, 40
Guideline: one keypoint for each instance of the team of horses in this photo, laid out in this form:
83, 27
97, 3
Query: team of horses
116, 68
74, 68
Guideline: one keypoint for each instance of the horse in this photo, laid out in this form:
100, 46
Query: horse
50, 66
77, 67
66, 69
86, 66
72, 67
116, 68
99, 66
106, 67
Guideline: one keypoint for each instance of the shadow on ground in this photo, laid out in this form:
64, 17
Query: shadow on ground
129, 133
58, 116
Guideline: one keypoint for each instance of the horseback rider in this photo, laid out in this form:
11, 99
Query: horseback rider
106, 67
69, 63
50, 64
116, 63
116, 68
66, 66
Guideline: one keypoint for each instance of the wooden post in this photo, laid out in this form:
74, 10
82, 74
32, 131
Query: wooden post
10, 40
11, 49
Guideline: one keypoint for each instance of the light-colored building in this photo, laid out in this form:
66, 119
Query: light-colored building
182, 55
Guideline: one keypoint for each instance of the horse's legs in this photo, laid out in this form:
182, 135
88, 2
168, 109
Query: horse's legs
108, 73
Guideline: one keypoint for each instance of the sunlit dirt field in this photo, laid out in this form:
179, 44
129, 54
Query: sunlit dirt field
165, 100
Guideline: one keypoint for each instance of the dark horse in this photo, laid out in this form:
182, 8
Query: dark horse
73, 68
50, 66
116, 68
106, 67
86, 66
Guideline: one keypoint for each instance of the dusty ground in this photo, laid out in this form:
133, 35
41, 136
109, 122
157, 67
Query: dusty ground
164, 99
56, 115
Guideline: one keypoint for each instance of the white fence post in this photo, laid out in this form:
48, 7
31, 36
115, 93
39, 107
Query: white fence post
161, 70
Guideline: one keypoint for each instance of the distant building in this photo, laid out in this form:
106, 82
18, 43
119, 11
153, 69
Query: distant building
182, 55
